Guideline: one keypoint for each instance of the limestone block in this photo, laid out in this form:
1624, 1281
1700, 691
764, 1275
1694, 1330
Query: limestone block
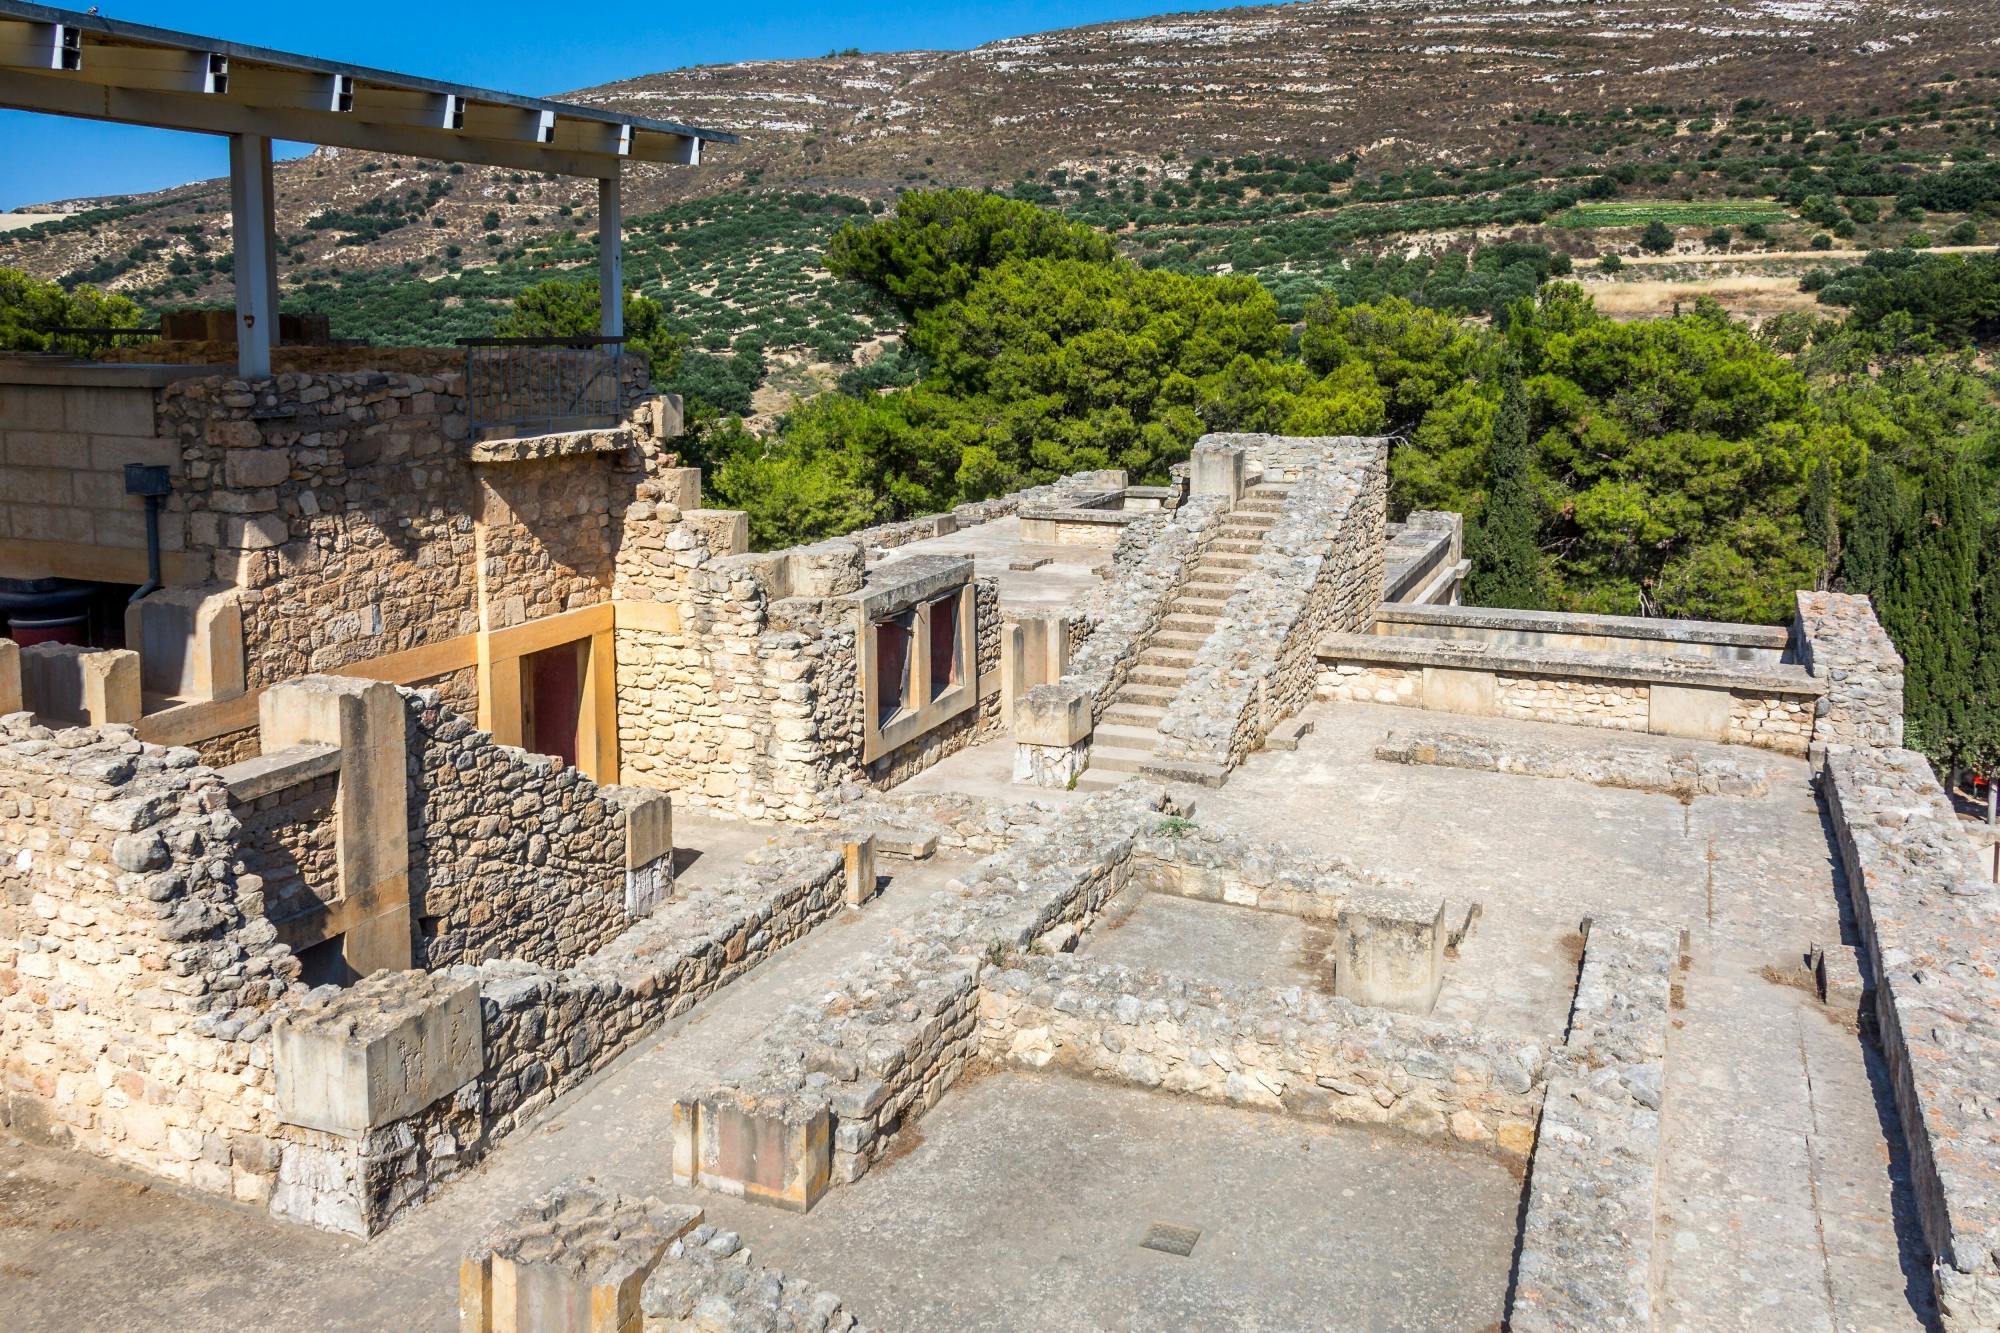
859, 861
1058, 715
681, 486
824, 569
85, 686
1690, 711
774, 1149
1217, 469
1057, 766
1449, 690
1390, 953
10, 677
573, 1261
649, 848
190, 642
381, 1050
721, 531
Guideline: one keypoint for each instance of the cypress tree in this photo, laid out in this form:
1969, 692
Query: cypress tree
1931, 614
1982, 750
1875, 536
1504, 547
1822, 523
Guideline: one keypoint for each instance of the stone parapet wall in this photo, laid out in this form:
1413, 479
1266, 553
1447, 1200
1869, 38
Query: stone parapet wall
136, 981
1930, 922
1682, 773
542, 1031
1056, 494
1839, 640
1150, 563
512, 855
1316, 1056
1767, 705
1638, 635
1319, 573
1586, 1255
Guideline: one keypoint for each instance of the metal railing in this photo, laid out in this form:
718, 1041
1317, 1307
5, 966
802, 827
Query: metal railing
542, 385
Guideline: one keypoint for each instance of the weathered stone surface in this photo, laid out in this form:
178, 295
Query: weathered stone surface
1682, 773
708, 1281
348, 1061
574, 1259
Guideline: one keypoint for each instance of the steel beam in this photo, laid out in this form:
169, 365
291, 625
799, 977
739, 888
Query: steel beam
255, 268
610, 258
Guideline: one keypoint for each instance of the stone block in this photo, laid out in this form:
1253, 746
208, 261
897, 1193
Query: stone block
649, 849
573, 1261
252, 468
858, 859
681, 487
1390, 953
1055, 766
1680, 710
104, 410
1450, 690
1217, 469
190, 642
10, 677
382, 1050
901, 842
1287, 734
1053, 715
720, 531
254, 532
824, 569
775, 1150
81, 686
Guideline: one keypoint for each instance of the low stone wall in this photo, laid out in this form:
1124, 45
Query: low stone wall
708, 1280
1641, 636
136, 981
835, 1081
1838, 640
1930, 923
1316, 1056
288, 844
1770, 706
1586, 1254
1057, 494
1682, 773
539, 1032
512, 855
1149, 566
1319, 572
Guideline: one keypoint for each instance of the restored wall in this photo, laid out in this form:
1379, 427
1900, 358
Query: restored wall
1839, 640
288, 844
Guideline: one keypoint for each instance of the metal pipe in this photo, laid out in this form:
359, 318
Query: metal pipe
152, 583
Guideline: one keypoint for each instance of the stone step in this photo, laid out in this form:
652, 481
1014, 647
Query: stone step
1210, 584
1138, 694
1232, 546
1093, 779
1124, 736
1182, 658
1246, 525
1182, 622
1129, 713
1168, 638
1237, 561
1166, 679
1116, 759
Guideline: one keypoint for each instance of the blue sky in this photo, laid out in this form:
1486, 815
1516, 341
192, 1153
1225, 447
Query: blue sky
513, 45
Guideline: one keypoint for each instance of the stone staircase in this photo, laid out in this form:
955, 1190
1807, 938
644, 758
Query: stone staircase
1128, 733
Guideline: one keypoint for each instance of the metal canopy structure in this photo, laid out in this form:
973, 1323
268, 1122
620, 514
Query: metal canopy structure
62, 62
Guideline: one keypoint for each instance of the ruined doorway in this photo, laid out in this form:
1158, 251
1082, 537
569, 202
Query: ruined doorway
552, 700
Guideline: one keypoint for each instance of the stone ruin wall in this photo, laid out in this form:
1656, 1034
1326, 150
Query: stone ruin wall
1319, 573
512, 855
1837, 637
136, 979
288, 844
346, 508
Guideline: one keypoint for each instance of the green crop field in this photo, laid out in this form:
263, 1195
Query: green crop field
1675, 213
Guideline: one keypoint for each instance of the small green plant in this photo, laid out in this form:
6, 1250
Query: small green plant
996, 952
1176, 827
1610, 263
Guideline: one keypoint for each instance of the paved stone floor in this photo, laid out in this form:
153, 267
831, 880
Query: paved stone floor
1019, 1201
1212, 942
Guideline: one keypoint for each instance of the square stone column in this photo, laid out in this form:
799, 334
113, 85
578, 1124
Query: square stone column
573, 1261
1052, 730
367, 720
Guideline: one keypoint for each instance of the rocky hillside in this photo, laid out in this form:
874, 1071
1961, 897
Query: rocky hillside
1531, 91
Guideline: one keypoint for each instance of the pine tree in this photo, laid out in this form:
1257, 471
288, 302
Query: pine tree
1876, 535
1822, 523
1931, 614
1505, 548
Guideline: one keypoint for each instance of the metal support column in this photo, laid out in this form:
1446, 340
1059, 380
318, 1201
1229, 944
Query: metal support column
610, 259
256, 260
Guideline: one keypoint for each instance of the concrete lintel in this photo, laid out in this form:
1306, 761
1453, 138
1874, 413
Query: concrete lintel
277, 770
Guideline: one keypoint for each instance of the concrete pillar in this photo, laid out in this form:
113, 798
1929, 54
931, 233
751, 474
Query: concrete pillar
1052, 729
367, 720
1034, 650
1390, 954
111, 691
574, 1261
190, 642
10, 677
255, 243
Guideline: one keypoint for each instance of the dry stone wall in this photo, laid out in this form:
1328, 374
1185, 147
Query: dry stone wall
136, 977
1319, 573
512, 855
288, 845
1311, 1055
1586, 1255
1841, 642
1930, 922
708, 1280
